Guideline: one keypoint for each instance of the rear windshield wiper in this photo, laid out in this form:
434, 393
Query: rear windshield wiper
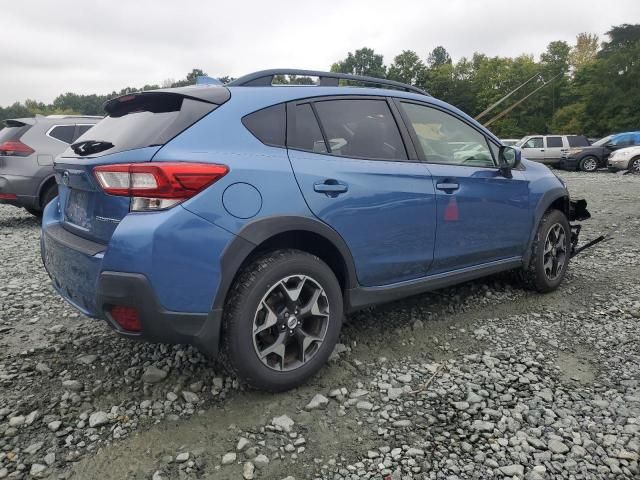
90, 146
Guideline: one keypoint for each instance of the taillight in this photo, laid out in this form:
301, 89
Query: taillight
15, 148
157, 186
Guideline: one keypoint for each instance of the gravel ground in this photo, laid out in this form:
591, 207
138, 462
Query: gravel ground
483, 380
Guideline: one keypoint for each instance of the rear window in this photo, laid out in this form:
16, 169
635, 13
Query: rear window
64, 133
137, 121
81, 130
578, 141
268, 125
554, 142
11, 133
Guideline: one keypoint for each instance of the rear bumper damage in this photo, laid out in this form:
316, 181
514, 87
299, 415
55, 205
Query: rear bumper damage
577, 213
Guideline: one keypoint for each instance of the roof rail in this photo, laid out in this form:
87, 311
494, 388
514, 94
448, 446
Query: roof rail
264, 78
73, 116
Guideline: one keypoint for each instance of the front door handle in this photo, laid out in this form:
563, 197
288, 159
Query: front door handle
447, 186
330, 187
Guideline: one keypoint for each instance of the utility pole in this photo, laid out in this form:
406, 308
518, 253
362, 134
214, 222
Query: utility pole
491, 107
508, 109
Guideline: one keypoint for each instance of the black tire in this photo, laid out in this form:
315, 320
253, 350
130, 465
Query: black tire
247, 296
588, 164
49, 194
535, 276
33, 211
634, 165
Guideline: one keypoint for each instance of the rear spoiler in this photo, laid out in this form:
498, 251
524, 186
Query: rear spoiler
213, 94
19, 122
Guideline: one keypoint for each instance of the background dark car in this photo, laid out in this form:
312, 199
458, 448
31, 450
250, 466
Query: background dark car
595, 156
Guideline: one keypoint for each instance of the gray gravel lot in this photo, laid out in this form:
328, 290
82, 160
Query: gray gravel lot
483, 380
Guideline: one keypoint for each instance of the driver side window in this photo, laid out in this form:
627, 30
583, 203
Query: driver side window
446, 139
535, 142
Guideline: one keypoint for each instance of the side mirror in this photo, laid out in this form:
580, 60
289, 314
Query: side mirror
508, 159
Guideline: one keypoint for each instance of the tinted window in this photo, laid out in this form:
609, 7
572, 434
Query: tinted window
623, 140
446, 139
141, 120
80, 130
554, 142
11, 133
578, 141
64, 133
361, 129
307, 134
535, 142
268, 125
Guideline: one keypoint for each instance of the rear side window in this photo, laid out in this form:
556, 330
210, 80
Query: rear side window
554, 142
64, 133
578, 141
268, 125
361, 129
142, 120
307, 134
13, 131
80, 130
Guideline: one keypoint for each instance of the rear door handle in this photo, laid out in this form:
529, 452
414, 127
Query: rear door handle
330, 187
447, 186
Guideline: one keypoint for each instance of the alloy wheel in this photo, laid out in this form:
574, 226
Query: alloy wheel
589, 164
555, 251
290, 323
635, 166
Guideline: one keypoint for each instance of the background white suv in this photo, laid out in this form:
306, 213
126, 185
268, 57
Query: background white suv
548, 149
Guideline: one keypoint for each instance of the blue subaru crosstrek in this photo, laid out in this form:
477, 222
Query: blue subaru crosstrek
246, 219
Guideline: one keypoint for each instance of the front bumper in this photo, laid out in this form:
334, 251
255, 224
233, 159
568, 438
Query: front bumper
568, 163
617, 165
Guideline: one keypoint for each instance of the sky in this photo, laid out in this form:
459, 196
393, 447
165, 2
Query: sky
98, 46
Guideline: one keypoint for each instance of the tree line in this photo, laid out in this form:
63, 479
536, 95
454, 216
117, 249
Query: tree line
590, 87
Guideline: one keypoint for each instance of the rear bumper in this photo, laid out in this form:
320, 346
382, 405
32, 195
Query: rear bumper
158, 324
174, 280
24, 188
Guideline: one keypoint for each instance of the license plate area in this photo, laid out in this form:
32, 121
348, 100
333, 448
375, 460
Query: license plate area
77, 208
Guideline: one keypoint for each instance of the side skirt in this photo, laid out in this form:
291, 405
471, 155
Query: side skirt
360, 297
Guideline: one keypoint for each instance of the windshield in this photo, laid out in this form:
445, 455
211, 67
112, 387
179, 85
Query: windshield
602, 141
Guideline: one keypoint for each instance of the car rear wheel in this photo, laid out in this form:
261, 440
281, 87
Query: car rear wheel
634, 165
282, 320
589, 164
550, 253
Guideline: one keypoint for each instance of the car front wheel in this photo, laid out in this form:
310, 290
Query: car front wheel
634, 165
550, 253
589, 164
282, 320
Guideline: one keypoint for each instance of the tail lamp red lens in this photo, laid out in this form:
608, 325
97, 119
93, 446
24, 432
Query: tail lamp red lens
16, 148
127, 317
8, 196
157, 185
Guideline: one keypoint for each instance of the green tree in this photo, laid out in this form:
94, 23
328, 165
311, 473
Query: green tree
584, 51
438, 56
362, 62
406, 67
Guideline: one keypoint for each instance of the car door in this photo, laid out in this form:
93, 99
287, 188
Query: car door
351, 164
533, 149
554, 148
482, 216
